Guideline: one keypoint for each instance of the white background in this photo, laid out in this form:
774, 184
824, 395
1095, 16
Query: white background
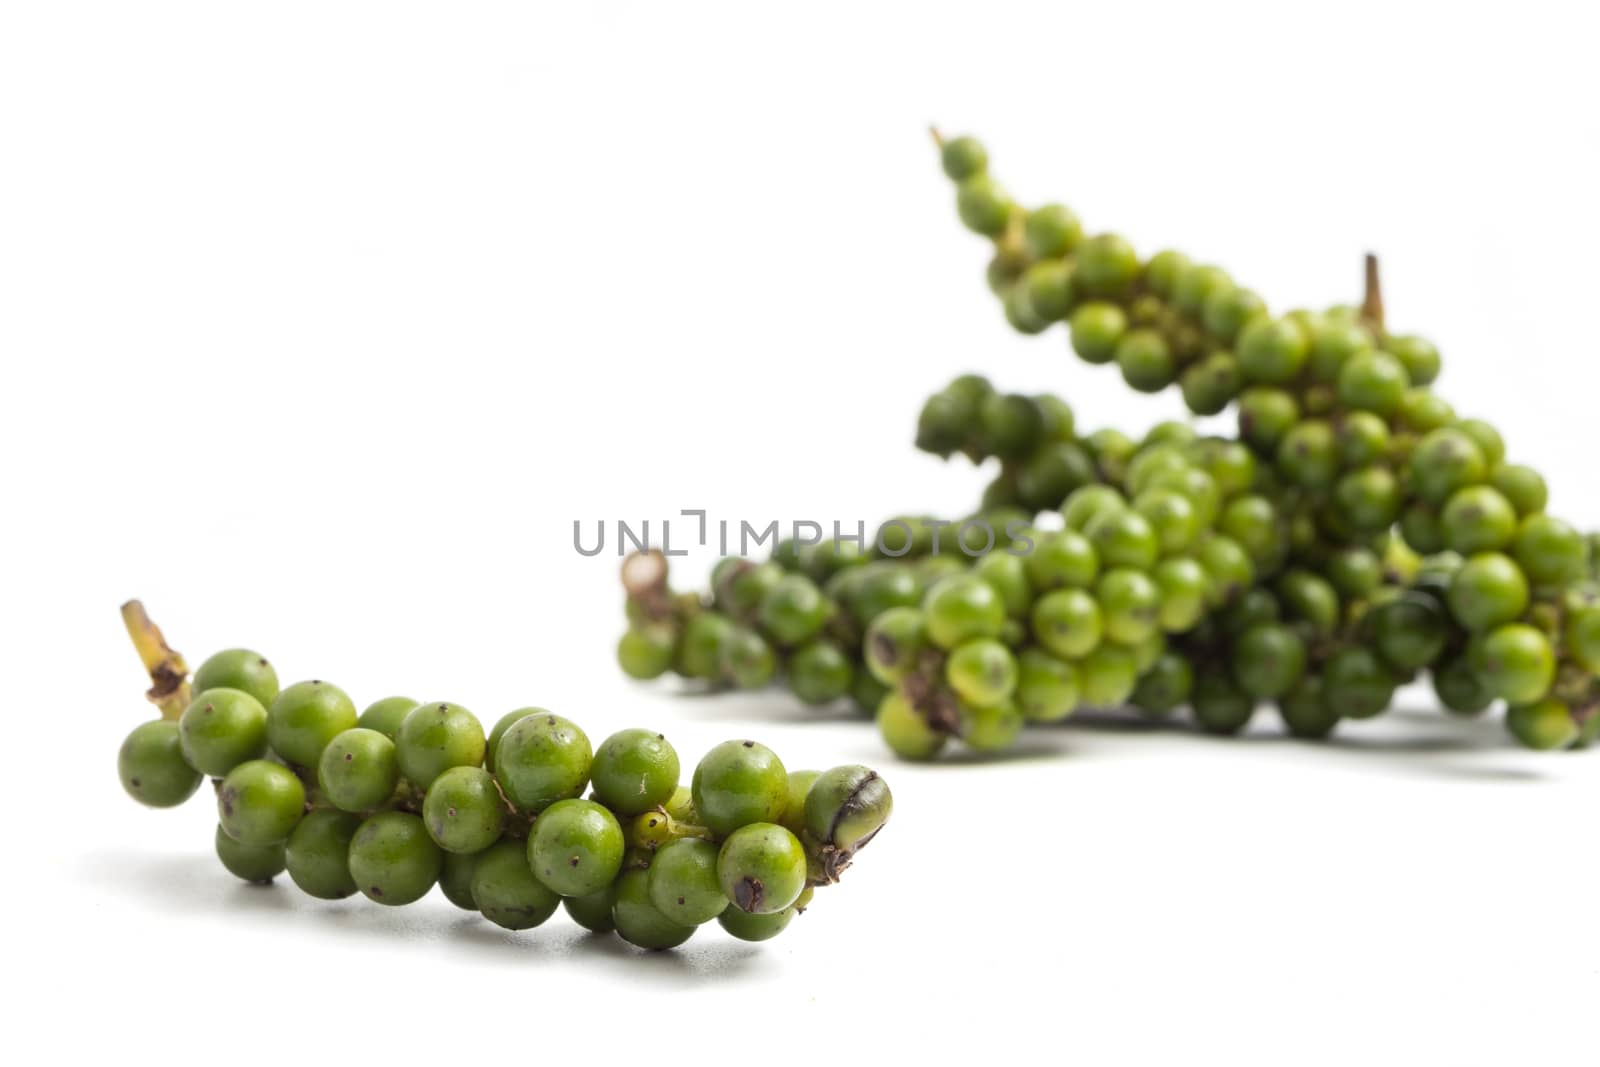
321, 323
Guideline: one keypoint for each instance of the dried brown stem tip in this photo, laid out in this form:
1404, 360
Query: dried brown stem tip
169, 674
1372, 296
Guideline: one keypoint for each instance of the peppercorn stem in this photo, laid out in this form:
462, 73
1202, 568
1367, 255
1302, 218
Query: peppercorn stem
169, 674
1372, 297
938, 138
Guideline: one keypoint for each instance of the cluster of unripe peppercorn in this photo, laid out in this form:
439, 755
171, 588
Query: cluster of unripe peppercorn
403, 796
1352, 535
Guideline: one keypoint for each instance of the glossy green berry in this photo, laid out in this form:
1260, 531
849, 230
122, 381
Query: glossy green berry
463, 810
253, 863
502, 724
906, 731
961, 608
646, 652
1164, 270
1266, 414
1549, 551
683, 882
1583, 637
1332, 344
1459, 688
436, 737
1523, 486
1308, 455
984, 207
1228, 566
748, 660
392, 858
1147, 362
152, 768
1418, 356
738, 783
1068, 622
1422, 411
1109, 675
1409, 631
317, 854
1372, 381
1130, 605
1515, 662
989, 729
1172, 515
1063, 559
1182, 583
1097, 328
1305, 710
1310, 599
455, 880
762, 868
1210, 384
1229, 311
1354, 571
542, 759
1446, 460
1220, 706
794, 610
634, 771
963, 158
705, 636
819, 672
1478, 518
358, 770
305, 717
1488, 590
1253, 523
1545, 725
576, 847
593, 911
241, 669
982, 671
1047, 286
505, 890
1051, 231
1268, 660
1357, 684
1363, 439
1124, 539
386, 715
638, 921
1107, 265
748, 927
1272, 351
1369, 499
260, 802
1166, 686
1196, 285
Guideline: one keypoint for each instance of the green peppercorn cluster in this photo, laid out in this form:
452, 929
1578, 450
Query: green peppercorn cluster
1353, 535
393, 800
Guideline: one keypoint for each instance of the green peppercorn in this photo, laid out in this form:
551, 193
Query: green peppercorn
358, 770
260, 802
152, 768
506, 891
542, 759
394, 861
241, 669
305, 717
253, 863
738, 783
317, 854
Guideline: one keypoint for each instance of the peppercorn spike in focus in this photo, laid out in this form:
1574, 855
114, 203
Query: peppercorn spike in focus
407, 795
